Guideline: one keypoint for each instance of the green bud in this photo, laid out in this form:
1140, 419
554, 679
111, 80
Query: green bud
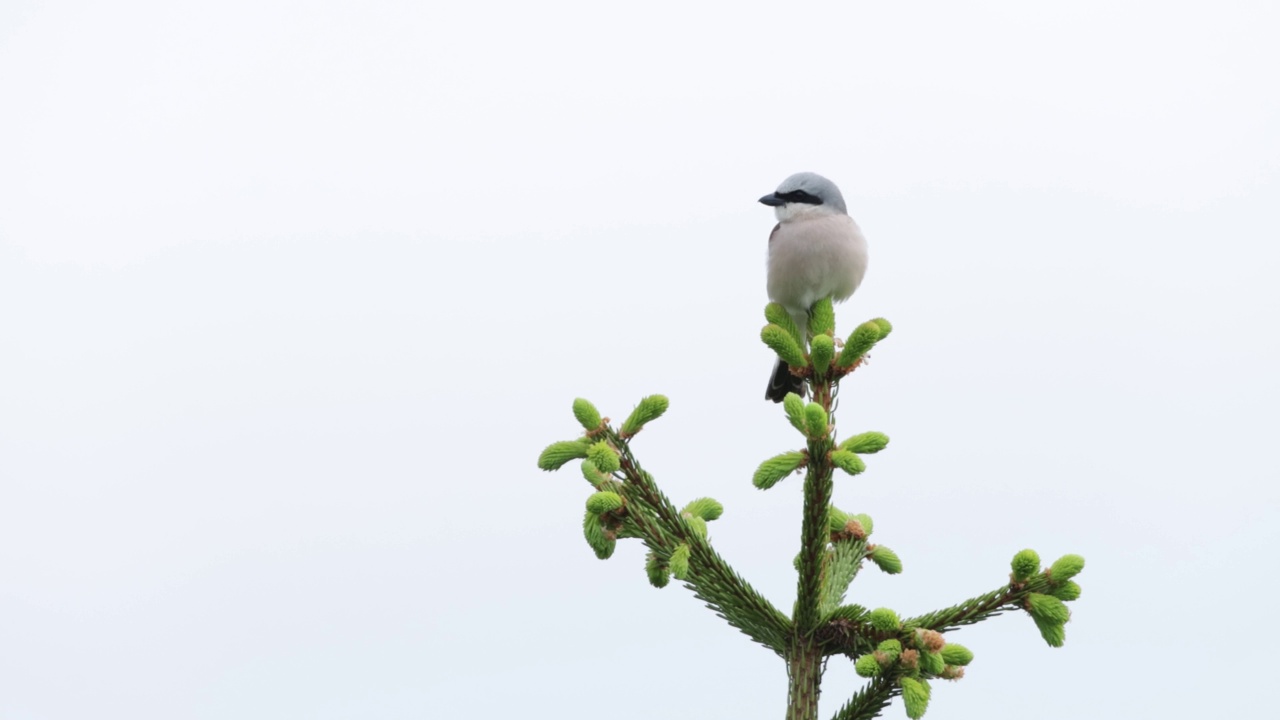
782, 343
955, 654
1053, 633
890, 648
821, 352
604, 457
864, 337
1025, 564
815, 421
1065, 568
885, 327
705, 508
847, 461
603, 502
592, 473
558, 454
778, 315
679, 562
915, 696
1047, 608
886, 559
794, 405
649, 409
865, 521
836, 519
865, 443
697, 524
1067, 591
884, 619
867, 666
932, 663
597, 538
776, 468
659, 574
822, 317
586, 413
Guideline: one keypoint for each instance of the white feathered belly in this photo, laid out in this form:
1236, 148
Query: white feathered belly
812, 258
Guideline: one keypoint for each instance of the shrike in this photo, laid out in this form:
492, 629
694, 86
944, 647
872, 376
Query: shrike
815, 250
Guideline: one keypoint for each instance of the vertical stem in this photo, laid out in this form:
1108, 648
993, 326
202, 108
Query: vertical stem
804, 676
804, 658
814, 534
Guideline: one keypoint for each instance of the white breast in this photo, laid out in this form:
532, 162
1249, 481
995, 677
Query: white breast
815, 255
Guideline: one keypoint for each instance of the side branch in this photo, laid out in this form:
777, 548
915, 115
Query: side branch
846, 560
977, 609
710, 577
853, 638
869, 701
970, 611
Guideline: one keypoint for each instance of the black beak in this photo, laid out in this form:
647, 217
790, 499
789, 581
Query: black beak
772, 200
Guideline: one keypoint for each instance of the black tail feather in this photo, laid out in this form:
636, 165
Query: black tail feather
783, 382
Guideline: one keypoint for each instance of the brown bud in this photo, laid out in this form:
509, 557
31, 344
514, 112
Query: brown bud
931, 640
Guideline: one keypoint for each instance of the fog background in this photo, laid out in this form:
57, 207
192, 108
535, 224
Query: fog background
293, 294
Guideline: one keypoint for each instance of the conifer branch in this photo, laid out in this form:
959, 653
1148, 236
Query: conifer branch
869, 701
845, 560
710, 577
973, 610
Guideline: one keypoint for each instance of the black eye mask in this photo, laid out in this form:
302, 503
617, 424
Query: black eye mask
799, 196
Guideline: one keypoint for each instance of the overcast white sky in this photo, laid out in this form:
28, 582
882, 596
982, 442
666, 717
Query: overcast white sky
293, 294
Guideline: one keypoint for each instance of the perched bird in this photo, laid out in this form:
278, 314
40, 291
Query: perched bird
815, 250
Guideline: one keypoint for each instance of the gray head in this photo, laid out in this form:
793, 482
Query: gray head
807, 188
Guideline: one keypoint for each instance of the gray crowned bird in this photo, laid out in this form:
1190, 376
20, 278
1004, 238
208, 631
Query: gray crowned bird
815, 250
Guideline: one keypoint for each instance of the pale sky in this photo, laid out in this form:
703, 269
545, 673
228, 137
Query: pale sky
293, 294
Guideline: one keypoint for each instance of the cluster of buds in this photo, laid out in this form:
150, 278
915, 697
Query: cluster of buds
785, 338
846, 527
695, 515
608, 510
912, 659
1050, 591
812, 422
